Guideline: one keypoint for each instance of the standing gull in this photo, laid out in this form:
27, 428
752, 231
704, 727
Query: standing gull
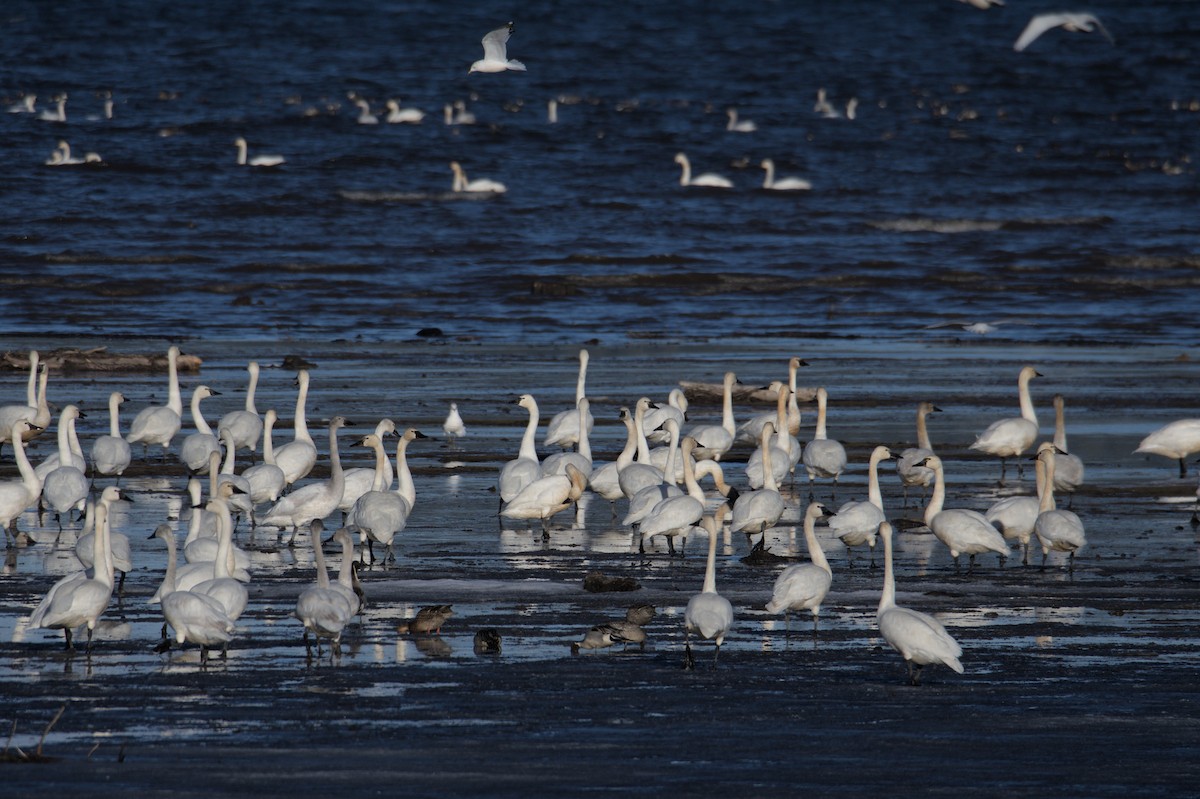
495, 53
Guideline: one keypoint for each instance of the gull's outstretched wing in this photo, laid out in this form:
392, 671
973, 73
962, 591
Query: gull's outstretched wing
495, 44
1037, 26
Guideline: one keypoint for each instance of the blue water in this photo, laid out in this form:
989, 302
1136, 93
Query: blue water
1056, 186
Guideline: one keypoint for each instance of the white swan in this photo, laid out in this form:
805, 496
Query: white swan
738, 126
1068, 469
705, 180
756, 511
381, 513
822, 105
347, 583
17, 495
1008, 438
66, 487
546, 496
27, 105
962, 531
258, 160
675, 515
787, 449
563, 429
708, 613
226, 472
824, 456
323, 611
111, 453
1177, 440
803, 586
912, 474
203, 540
782, 184
1057, 530
118, 543
75, 599
158, 424
480, 185
202, 443
266, 479
552, 111
649, 495
316, 500
713, 441
1078, 22
604, 479
919, 638
37, 412
194, 617
365, 117
641, 472
676, 408
297, 457
222, 586
1015, 517
582, 458
453, 426
457, 114
54, 460
59, 114
398, 115
856, 523
246, 425
360, 480
749, 430
495, 53
525, 468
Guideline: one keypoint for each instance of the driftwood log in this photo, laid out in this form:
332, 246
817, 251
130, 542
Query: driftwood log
98, 359
713, 392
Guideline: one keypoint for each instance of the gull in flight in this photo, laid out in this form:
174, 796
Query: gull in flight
978, 328
983, 4
1081, 22
495, 53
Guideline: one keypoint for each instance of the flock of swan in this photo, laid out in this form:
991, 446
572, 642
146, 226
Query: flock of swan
202, 597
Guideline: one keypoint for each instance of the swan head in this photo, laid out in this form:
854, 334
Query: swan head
338, 422
767, 163
370, 440
882, 453
932, 461
163, 531
204, 392
681, 159
527, 401
112, 494
413, 433
818, 511
1028, 373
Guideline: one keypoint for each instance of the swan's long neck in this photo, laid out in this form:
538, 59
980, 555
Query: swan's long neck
769, 166
64, 440
1027, 411
689, 477
102, 562
727, 405
241, 148
380, 482
1060, 427
337, 478
581, 381
268, 447
585, 444
214, 470
196, 517
1047, 502
43, 408
32, 387
168, 582
33, 486
710, 570
405, 487
768, 461
639, 418
301, 423
888, 598
230, 450
114, 416
198, 417
671, 467
815, 553
626, 456
346, 570
319, 558
874, 495
922, 430
174, 398
939, 493
250, 407
781, 414
223, 564
529, 440
686, 178
793, 417
822, 403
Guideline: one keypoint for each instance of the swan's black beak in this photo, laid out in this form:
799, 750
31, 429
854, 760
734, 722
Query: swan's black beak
419, 434
935, 409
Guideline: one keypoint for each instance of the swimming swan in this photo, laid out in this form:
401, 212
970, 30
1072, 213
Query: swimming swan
258, 160
706, 180
396, 114
480, 185
744, 126
783, 184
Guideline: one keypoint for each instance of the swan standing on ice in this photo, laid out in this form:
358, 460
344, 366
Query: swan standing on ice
53, 460
158, 424
1008, 438
604, 479
200, 444
787, 448
804, 585
824, 456
706, 180
398, 115
323, 611
525, 468
962, 531
919, 638
111, 453
782, 184
1015, 517
744, 126
641, 472
453, 426
911, 474
1057, 530
297, 457
258, 160
1177, 440
856, 523
708, 613
563, 429
1080, 22
76, 600
481, 185
495, 53
245, 425
193, 616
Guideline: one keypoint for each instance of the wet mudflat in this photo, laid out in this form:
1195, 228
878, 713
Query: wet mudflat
1079, 683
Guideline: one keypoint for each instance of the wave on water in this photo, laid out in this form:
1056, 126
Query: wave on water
415, 196
931, 225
